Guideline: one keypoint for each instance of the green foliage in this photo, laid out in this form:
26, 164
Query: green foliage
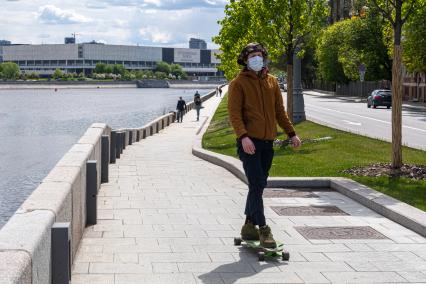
160, 75
9, 70
279, 24
177, 71
162, 66
129, 75
286, 24
396, 13
108, 69
345, 45
58, 74
32, 76
100, 68
329, 66
414, 45
238, 28
118, 69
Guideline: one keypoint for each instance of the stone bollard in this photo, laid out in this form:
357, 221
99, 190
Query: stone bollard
138, 135
113, 147
125, 133
91, 192
105, 159
130, 137
118, 145
60, 253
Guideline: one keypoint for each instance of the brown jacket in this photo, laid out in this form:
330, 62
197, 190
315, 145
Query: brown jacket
255, 105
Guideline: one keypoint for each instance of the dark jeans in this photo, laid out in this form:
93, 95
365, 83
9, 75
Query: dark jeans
256, 168
197, 108
180, 115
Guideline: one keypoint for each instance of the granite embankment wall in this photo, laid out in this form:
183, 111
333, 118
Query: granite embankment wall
26, 239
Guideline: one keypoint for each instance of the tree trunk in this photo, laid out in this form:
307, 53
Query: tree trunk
396, 108
290, 91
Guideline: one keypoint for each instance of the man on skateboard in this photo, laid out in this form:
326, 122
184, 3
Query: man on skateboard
255, 105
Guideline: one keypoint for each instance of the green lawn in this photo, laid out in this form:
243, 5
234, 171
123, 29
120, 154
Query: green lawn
327, 158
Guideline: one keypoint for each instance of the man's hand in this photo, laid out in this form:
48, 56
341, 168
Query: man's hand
295, 141
248, 146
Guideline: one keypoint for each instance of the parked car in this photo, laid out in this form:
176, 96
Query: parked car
380, 98
283, 86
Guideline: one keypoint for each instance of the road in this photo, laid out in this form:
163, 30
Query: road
353, 115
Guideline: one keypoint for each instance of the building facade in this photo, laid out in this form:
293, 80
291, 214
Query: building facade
414, 87
82, 58
340, 10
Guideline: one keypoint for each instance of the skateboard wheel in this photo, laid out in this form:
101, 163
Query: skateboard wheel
237, 241
285, 255
261, 256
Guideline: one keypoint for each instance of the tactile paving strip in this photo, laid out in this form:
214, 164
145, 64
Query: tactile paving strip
308, 210
330, 233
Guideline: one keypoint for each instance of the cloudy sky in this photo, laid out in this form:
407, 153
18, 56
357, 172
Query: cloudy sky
143, 22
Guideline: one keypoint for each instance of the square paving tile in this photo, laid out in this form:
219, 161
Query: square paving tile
334, 233
308, 210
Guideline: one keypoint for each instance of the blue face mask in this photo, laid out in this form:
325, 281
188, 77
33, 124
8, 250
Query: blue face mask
255, 63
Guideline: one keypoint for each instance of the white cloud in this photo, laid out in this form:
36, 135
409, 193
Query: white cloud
167, 4
154, 35
50, 14
144, 22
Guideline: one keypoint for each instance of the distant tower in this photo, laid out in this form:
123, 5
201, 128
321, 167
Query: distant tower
70, 40
197, 43
5, 42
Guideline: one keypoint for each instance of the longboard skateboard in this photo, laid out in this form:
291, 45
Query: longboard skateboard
263, 252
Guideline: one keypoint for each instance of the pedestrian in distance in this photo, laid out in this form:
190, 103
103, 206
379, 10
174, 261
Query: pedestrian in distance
220, 91
180, 109
217, 91
255, 105
198, 104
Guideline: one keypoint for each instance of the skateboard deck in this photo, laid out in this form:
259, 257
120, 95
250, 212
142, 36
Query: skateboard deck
263, 252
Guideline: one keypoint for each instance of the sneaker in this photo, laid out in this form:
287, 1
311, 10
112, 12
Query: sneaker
266, 237
249, 232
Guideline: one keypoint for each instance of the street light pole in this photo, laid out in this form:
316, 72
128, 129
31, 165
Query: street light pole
298, 101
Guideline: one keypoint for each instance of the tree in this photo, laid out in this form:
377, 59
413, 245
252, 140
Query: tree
57, 74
282, 25
414, 44
238, 28
100, 68
108, 69
162, 66
10, 70
396, 12
177, 70
327, 53
345, 45
286, 25
118, 69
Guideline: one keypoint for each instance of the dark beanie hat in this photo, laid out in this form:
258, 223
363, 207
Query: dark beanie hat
249, 48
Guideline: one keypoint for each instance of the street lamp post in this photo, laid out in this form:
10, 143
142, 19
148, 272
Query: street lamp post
298, 101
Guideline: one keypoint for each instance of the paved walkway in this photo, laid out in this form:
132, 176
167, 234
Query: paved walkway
168, 217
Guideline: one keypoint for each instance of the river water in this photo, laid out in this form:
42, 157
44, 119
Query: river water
38, 126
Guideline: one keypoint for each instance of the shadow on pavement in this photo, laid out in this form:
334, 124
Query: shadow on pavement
247, 266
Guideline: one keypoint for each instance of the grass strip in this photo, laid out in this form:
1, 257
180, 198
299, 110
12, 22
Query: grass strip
327, 158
